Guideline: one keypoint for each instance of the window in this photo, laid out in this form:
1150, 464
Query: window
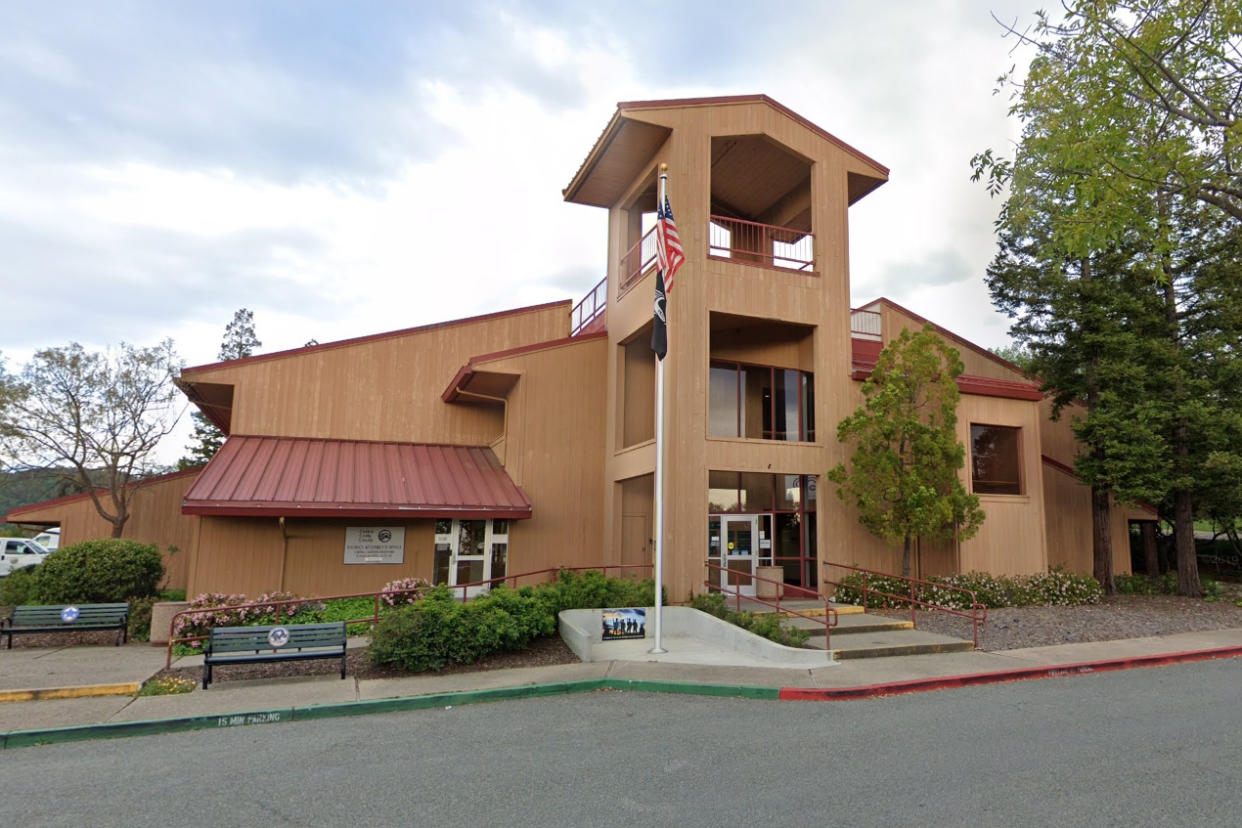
760, 402
995, 460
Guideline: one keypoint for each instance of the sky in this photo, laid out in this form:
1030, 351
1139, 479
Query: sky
343, 169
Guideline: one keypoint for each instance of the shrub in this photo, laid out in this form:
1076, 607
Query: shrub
227, 613
110, 570
768, 625
140, 619
1137, 585
403, 591
592, 590
438, 630
18, 587
1056, 587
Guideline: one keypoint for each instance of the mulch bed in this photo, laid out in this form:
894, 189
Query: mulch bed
541, 653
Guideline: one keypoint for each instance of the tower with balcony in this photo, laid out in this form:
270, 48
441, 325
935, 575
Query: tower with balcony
759, 362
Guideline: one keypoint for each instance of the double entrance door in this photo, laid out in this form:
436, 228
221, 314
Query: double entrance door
738, 544
471, 552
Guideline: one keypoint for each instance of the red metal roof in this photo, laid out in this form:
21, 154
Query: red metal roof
289, 476
865, 352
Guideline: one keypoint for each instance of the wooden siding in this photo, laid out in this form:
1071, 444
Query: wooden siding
251, 556
1011, 540
1069, 524
155, 518
553, 452
977, 360
383, 388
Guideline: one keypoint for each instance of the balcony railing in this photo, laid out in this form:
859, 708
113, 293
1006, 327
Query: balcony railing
865, 324
637, 260
589, 309
764, 244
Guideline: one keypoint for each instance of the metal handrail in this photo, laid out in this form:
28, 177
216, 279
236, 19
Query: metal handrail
755, 243
580, 317
374, 617
978, 612
637, 261
830, 615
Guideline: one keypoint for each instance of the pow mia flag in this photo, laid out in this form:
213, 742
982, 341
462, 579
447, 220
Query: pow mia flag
659, 331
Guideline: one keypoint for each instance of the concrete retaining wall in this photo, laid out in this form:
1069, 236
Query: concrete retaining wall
582, 630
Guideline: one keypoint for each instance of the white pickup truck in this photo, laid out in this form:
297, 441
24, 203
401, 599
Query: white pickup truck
16, 553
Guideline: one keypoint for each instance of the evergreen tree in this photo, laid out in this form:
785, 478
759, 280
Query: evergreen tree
1114, 237
239, 341
903, 474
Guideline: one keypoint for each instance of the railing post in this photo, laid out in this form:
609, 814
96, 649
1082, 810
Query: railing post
913, 617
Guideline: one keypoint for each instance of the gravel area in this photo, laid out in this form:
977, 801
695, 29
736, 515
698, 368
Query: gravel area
1118, 616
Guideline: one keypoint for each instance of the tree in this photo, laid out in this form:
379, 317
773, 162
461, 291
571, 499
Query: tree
1175, 64
96, 418
903, 474
1019, 355
239, 341
1122, 195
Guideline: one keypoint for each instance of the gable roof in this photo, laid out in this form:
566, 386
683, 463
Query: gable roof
628, 142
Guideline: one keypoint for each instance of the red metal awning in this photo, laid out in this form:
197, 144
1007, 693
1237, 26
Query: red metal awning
290, 476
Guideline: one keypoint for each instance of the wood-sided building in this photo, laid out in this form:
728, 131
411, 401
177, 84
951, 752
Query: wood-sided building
511, 442
155, 518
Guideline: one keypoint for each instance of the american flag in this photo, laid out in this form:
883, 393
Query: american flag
668, 244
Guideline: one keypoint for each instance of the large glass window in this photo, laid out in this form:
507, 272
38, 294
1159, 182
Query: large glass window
995, 459
760, 402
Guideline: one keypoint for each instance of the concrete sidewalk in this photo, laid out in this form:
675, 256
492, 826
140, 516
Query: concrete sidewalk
76, 670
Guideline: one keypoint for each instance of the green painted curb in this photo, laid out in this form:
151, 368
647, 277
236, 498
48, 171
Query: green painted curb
741, 691
119, 730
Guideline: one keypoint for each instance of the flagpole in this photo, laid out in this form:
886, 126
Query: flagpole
659, 472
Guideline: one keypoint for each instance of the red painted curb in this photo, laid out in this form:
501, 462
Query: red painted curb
1001, 676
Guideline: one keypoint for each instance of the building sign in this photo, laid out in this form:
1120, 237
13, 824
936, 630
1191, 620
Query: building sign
374, 544
624, 623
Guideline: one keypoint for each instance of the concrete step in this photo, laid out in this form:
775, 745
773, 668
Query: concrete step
897, 643
790, 607
891, 643
851, 624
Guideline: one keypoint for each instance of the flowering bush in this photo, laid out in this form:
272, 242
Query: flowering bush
1056, 587
226, 612
403, 591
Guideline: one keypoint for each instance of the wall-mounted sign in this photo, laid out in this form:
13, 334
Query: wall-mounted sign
374, 544
624, 623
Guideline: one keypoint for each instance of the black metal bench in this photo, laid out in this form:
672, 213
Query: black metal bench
256, 645
67, 618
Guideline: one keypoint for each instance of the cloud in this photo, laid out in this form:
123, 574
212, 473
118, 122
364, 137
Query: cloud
343, 169
944, 266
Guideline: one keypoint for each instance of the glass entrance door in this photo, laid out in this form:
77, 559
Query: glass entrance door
471, 551
737, 547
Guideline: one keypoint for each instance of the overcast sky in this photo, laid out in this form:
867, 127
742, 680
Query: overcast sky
348, 168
